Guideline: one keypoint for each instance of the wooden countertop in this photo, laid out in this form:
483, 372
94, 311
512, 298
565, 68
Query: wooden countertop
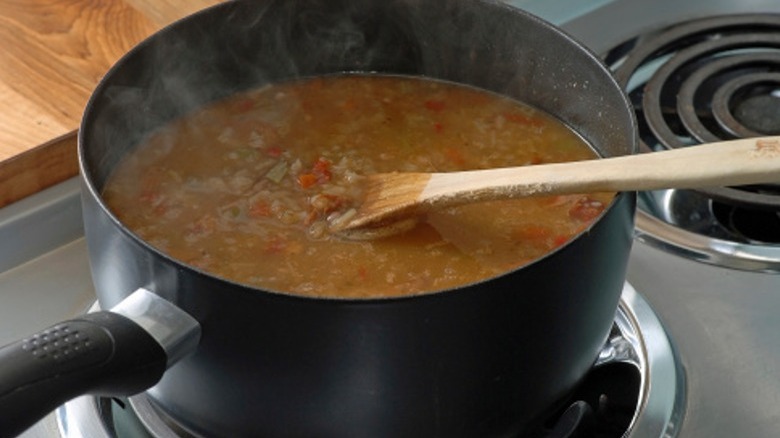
52, 55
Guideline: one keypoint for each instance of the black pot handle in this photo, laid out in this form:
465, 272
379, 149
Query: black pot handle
119, 352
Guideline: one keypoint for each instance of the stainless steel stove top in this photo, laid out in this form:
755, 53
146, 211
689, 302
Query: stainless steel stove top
722, 321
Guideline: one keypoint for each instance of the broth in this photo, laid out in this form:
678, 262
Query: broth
245, 188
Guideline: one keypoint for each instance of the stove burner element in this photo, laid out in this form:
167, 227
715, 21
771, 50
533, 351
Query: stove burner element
755, 103
752, 226
603, 406
706, 80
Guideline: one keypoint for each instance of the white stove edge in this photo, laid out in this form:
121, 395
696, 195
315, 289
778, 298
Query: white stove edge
44, 269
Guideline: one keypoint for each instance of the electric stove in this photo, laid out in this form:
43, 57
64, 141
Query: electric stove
694, 350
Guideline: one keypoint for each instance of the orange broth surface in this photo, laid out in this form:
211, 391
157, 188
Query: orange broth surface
245, 188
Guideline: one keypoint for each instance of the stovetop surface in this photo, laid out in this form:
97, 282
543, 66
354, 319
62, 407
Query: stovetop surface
723, 322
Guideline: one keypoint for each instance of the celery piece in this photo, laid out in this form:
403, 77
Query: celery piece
277, 172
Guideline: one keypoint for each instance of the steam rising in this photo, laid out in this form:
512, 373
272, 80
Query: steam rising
245, 44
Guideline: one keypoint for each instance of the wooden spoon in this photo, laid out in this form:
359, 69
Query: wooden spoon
394, 201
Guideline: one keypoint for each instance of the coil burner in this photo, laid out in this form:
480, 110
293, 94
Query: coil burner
707, 80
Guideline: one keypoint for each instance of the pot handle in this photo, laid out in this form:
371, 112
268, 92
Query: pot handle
119, 352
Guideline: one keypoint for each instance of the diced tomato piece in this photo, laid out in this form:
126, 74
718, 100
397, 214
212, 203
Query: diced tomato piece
586, 209
311, 216
362, 272
259, 209
434, 105
438, 127
306, 180
320, 173
321, 169
560, 240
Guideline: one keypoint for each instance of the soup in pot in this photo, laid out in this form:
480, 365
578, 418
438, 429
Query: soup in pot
245, 188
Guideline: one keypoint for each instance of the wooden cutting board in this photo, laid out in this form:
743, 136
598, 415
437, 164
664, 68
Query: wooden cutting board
52, 55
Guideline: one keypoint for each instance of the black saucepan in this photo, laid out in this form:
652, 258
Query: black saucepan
487, 359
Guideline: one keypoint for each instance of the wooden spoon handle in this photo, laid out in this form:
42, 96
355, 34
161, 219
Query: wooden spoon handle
726, 163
